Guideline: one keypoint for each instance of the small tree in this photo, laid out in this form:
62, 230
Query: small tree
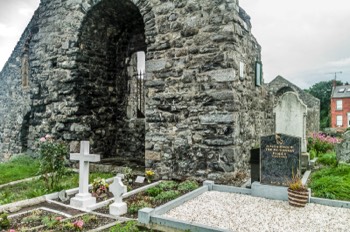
52, 161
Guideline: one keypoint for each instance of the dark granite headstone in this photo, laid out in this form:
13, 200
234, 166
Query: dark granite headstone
279, 158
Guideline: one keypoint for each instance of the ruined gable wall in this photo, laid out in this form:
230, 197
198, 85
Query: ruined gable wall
201, 117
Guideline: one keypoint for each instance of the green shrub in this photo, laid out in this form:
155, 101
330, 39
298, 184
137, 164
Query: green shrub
130, 226
167, 195
331, 182
136, 206
187, 186
154, 191
4, 221
167, 185
328, 159
313, 154
52, 161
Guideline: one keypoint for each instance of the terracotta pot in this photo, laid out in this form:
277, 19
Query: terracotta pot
298, 198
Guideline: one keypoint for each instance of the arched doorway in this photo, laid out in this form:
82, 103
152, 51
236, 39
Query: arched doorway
109, 39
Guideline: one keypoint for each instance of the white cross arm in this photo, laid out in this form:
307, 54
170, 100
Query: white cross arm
87, 157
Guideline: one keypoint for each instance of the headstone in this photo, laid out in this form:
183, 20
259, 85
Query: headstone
140, 179
343, 149
118, 189
62, 195
279, 159
84, 198
290, 117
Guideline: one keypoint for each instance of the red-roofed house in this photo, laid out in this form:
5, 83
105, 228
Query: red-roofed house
340, 106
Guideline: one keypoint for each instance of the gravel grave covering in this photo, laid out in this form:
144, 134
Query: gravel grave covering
238, 212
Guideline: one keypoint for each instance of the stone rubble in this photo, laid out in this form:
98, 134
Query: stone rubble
238, 212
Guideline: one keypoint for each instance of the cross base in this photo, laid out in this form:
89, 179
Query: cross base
117, 209
82, 200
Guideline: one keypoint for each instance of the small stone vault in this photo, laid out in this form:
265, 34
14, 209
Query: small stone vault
196, 112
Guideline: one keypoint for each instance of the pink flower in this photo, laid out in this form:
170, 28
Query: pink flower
59, 218
48, 136
12, 230
42, 139
79, 224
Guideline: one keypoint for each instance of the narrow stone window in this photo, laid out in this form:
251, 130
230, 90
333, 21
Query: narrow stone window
25, 63
141, 84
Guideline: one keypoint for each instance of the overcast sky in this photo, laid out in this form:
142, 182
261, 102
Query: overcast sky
302, 40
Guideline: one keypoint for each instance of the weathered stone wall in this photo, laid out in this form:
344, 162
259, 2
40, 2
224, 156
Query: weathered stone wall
279, 85
203, 110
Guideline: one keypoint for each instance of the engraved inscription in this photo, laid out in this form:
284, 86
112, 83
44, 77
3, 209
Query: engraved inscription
280, 151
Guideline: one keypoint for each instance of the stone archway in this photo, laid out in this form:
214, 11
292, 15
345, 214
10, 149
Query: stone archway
109, 38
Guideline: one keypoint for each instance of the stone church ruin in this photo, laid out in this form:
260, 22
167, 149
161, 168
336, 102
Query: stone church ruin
197, 109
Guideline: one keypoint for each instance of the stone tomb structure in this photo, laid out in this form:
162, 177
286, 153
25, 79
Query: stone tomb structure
279, 159
72, 75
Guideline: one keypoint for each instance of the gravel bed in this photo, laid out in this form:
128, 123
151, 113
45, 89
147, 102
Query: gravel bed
239, 212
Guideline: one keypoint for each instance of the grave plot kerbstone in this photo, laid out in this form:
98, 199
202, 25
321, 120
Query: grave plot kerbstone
118, 189
84, 198
279, 159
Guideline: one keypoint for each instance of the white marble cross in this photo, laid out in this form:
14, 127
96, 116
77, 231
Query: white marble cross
118, 189
84, 198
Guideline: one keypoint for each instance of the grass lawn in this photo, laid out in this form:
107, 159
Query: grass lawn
35, 188
19, 167
332, 182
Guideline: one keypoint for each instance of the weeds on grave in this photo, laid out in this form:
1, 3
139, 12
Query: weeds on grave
127, 172
136, 206
130, 226
4, 221
52, 160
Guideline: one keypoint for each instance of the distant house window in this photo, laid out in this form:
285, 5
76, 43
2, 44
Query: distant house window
339, 105
348, 90
341, 90
339, 120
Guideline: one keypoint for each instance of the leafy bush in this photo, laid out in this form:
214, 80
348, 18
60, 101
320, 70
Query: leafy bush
167, 195
187, 186
328, 159
321, 143
154, 191
52, 161
167, 185
4, 221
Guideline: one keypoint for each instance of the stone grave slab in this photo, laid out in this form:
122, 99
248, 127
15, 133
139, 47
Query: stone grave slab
279, 158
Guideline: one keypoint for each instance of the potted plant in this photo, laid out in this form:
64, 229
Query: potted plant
298, 194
